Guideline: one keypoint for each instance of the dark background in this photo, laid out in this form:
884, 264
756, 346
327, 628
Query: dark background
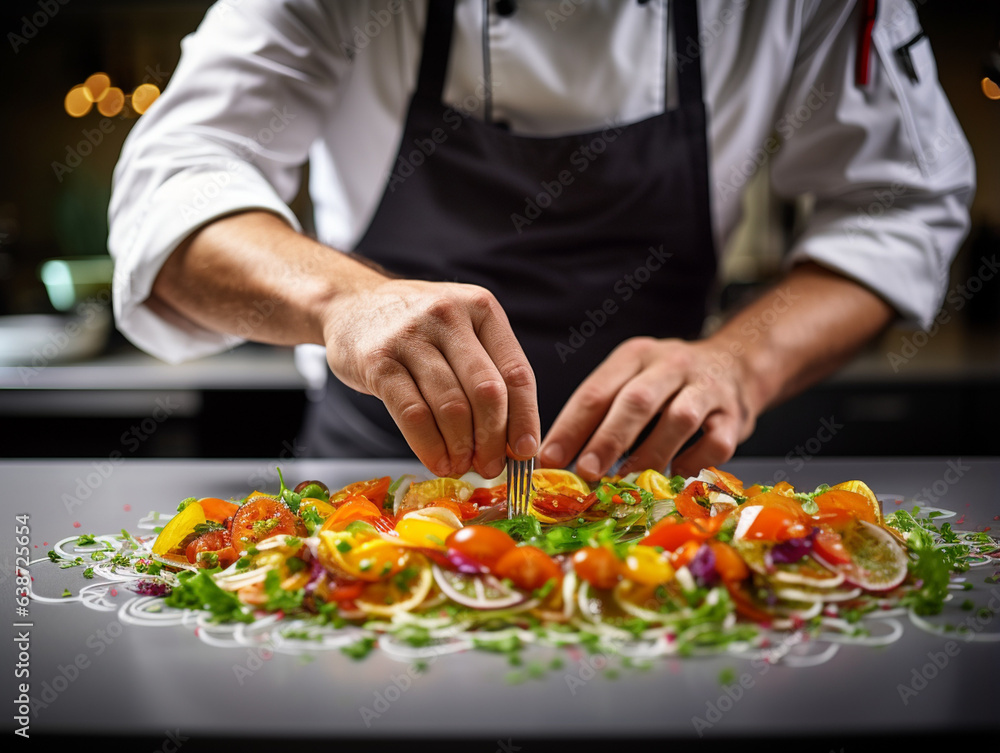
943, 401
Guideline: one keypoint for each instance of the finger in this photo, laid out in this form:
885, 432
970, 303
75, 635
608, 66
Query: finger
445, 395
584, 411
681, 419
633, 408
486, 395
392, 384
523, 425
718, 443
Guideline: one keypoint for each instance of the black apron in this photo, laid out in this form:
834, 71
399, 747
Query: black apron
585, 240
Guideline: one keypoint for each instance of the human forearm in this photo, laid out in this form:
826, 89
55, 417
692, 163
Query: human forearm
253, 276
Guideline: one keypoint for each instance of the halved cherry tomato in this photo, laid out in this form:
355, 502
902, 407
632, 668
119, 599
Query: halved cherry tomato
838, 507
374, 490
728, 563
687, 504
261, 510
527, 567
462, 510
685, 553
482, 544
218, 509
598, 566
830, 547
355, 507
217, 542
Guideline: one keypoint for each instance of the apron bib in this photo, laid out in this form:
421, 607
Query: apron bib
585, 239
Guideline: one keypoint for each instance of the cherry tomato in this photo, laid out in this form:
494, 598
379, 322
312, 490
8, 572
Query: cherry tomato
263, 510
217, 542
830, 547
776, 524
462, 510
218, 509
728, 563
482, 544
527, 567
344, 590
672, 532
598, 566
838, 507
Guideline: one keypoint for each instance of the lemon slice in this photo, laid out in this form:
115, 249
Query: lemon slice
178, 528
860, 487
390, 597
559, 481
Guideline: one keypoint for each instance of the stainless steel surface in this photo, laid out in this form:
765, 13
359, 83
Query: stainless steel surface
519, 485
93, 676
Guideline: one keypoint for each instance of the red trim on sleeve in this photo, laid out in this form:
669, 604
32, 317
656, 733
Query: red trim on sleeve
862, 64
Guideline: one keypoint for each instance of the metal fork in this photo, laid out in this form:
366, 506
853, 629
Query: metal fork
519, 485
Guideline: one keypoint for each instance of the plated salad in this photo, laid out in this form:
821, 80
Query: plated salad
651, 564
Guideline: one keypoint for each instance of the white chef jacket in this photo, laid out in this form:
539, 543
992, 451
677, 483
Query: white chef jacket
263, 86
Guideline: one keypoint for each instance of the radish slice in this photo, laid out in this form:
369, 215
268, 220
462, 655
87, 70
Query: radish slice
477, 591
877, 563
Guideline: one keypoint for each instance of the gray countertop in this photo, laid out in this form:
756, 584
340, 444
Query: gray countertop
97, 676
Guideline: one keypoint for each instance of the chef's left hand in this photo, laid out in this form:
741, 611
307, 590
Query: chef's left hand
694, 385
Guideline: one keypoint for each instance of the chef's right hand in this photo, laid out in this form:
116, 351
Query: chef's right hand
444, 360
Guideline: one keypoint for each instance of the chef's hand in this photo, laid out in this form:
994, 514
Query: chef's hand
694, 385
444, 360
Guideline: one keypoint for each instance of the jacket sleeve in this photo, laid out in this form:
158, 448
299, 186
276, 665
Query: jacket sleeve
887, 164
231, 132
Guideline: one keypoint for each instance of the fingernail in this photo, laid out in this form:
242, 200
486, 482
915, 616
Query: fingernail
443, 468
526, 446
553, 454
589, 465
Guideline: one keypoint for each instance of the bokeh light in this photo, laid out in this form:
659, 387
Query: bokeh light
143, 96
78, 101
112, 102
990, 88
96, 86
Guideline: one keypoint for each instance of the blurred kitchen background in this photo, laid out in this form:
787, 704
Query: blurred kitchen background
71, 386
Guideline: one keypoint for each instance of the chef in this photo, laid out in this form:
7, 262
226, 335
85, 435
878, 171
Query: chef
519, 209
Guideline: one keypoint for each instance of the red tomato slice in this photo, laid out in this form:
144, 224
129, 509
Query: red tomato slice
487, 497
777, 524
217, 542
561, 506
344, 590
262, 510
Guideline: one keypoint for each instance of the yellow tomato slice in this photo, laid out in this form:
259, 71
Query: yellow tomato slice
424, 532
655, 483
369, 560
324, 509
643, 564
178, 528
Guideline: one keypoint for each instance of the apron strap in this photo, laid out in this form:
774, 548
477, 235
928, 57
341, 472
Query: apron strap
440, 25
437, 48
684, 22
